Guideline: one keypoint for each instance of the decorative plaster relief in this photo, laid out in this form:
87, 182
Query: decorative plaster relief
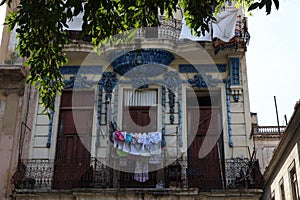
236, 92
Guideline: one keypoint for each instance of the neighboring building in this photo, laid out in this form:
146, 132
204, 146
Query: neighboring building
266, 139
12, 119
282, 174
12, 86
193, 95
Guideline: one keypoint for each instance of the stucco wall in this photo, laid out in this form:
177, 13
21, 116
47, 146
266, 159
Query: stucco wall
264, 151
282, 172
9, 140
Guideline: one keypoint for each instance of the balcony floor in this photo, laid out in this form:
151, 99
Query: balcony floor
138, 193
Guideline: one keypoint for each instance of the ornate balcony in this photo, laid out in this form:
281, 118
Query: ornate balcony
168, 29
267, 131
39, 175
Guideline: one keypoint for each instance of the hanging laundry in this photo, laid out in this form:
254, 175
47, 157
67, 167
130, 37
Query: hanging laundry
135, 147
127, 147
119, 136
144, 147
220, 45
122, 156
144, 139
128, 137
224, 26
117, 142
141, 169
121, 153
186, 34
155, 148
138, 144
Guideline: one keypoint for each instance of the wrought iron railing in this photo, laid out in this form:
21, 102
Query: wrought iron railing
47, 174
34, 174
205, 174
235, 168
44, 174
168, 29
241, 30
39, 174
242, 173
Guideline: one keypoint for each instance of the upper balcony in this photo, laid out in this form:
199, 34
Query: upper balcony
168, 29
175, 30
267, 131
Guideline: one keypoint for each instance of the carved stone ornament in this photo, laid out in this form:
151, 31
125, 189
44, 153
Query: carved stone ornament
203, 81
124, 60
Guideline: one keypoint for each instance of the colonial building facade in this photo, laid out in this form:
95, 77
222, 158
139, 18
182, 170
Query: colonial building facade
282, 173
265, 139
160, 117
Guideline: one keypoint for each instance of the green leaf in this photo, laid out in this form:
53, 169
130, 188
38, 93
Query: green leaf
262, 4
253, 6
268, 6
276, 2
2, 2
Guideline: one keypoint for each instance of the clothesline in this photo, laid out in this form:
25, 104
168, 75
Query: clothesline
143, 144
146, 147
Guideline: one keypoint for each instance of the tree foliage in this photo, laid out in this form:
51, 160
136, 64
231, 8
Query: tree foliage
42, 35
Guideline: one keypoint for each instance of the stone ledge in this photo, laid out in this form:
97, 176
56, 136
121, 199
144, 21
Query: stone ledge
12, 79
15, 71
134, 193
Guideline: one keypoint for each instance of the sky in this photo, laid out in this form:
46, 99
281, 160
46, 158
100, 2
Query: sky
273, 68
271, 61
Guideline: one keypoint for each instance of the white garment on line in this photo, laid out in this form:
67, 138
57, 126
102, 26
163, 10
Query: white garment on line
141, 169
135, 147
223, 28
144, 144
144, 139
186, 34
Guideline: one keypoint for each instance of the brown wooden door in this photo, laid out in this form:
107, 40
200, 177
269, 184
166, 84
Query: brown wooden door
72, 160
203, 131
139, 119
